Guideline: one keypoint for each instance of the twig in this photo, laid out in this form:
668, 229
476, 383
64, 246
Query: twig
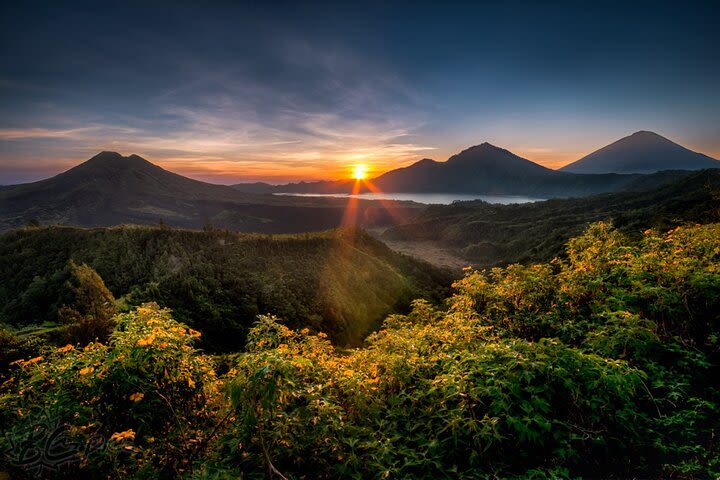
271, 468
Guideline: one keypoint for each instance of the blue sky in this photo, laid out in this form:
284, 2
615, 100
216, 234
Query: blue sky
229, 91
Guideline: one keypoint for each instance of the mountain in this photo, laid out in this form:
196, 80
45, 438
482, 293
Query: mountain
315, 187
487, 169
489, 234
483, 169
641, 152
254, 187
110, 189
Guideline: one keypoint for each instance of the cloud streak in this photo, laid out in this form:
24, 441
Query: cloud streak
327, 109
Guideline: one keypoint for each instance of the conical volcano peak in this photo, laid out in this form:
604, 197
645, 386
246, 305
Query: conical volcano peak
485, 146
114, 161
646, 137
487, 155
106, 156
642, 152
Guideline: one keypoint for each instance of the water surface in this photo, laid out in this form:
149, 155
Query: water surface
428, 198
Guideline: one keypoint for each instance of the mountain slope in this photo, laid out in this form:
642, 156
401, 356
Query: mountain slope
641, 152
110, 189
488, 234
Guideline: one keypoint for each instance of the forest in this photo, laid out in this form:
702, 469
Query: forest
602, 362
341, 282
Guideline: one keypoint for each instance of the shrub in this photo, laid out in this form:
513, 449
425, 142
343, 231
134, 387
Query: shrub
138, 405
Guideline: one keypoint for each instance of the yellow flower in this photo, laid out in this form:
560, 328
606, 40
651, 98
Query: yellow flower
194, 333
31, 361
349, 372
143, 342
191, 383
126, 435
66, 348
86, 370
92, 346
137, 396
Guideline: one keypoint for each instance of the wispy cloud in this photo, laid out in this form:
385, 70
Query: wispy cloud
31, 133
329, 109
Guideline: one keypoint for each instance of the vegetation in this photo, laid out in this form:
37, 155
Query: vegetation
90, 317
603, 364
490, 234
341, 282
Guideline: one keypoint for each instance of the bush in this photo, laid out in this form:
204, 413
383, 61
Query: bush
138, 405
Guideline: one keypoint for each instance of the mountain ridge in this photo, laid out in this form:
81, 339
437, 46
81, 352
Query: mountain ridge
488, 169
483, 169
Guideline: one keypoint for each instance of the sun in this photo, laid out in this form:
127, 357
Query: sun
359, 171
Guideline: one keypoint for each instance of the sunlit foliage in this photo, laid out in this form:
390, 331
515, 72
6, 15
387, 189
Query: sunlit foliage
138, 405
604, 364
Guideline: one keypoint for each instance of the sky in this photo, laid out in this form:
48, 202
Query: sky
282, 91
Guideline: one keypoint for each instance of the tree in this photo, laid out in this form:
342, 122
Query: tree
90, 316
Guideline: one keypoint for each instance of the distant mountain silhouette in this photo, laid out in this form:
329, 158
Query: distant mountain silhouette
641, 152
484, 170
110, 189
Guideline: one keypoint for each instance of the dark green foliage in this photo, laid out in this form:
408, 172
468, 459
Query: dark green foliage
341, 282
89, 317
491, 234
13, 347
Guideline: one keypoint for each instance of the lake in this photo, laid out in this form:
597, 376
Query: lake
428, 198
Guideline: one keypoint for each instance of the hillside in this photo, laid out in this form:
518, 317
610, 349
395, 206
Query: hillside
641, 152
342, 282
489, 234
110, 189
